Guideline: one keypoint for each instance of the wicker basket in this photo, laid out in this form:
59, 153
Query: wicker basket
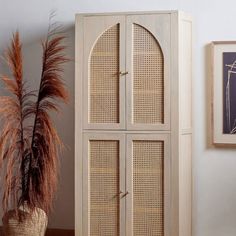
35, 225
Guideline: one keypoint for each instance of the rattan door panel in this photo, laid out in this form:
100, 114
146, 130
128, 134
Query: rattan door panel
148, 170
104, 78
148, 78
148, 61
104, 179
103, 86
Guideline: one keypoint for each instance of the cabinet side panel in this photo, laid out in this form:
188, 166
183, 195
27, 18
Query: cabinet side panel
185, 185
185, 47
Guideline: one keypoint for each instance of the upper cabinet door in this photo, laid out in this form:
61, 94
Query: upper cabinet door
104, 60
148, 49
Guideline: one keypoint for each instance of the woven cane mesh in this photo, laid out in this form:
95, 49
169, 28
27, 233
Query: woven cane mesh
104, 188
148, 183
148, 78
104, 78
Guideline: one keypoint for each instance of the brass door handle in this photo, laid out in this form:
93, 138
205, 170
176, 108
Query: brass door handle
122, 73
126, 193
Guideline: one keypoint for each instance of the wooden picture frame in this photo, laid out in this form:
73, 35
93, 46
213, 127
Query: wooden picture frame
224, 92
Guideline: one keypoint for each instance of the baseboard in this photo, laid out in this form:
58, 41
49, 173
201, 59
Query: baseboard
53, 232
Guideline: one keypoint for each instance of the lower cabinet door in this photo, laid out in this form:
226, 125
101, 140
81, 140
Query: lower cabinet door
103, 184
148, 177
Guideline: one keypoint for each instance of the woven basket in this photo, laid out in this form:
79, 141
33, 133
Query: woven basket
31, 225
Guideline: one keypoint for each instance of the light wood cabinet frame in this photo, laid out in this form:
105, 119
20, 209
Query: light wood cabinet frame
174, 34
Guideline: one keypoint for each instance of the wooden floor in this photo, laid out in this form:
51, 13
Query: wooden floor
53, 232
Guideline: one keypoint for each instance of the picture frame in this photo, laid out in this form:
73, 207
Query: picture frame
224, 92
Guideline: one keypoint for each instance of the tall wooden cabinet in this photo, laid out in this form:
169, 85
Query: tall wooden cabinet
133, 124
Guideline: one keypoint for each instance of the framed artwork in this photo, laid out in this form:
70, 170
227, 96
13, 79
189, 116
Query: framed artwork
224, 92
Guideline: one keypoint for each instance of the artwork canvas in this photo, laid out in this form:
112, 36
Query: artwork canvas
224, 92
229, 92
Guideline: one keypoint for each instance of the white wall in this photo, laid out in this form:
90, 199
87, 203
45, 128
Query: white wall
214, 210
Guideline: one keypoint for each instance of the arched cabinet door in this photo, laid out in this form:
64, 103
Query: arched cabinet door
104, 59
148, 65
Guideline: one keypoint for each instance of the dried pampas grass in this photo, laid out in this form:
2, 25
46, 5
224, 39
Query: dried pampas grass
30, 152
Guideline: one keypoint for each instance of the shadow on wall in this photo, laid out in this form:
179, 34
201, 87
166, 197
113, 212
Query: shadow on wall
208, 73
63, 215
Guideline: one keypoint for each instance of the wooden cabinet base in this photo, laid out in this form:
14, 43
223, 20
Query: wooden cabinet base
60, 232
53, 232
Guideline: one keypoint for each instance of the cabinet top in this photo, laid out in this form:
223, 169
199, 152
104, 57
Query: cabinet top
132, 13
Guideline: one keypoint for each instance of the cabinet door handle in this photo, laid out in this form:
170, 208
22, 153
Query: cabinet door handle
122, 73
127, 192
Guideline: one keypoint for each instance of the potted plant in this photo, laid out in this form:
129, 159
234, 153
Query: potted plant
29, 143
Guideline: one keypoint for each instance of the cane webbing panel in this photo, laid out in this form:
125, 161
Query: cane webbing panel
148, 188
104, 78
104, 188
148, 78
